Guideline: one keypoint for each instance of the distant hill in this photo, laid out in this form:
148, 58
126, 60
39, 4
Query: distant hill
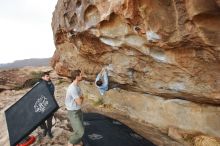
26, 62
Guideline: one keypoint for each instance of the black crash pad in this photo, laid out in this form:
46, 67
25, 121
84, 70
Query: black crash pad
30, 111
104, 131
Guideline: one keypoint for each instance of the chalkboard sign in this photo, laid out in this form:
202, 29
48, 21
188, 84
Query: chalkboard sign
29, 112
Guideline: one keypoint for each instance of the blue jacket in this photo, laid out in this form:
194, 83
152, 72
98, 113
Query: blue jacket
104, 86
50, 86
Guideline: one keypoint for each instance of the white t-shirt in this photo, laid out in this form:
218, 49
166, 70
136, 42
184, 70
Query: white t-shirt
72, 93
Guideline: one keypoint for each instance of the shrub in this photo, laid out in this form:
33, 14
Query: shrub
99, 102
35, 77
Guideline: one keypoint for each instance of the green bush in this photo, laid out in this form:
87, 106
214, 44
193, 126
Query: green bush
35, 77
60, 81
98, 102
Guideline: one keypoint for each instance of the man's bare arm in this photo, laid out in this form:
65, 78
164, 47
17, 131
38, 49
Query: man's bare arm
79, 100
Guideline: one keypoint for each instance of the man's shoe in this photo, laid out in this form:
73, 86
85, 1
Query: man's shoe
81, 143
69, 144
50, 134
44, 133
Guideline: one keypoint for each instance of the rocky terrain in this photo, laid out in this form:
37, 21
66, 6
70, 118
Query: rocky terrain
96, 103
162, 57
62, 128
163, 64
20, 77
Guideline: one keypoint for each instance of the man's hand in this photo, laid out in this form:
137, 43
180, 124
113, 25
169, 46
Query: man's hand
103, 69
79, 100
82, 98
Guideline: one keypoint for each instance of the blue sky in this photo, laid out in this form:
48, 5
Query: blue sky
25, 29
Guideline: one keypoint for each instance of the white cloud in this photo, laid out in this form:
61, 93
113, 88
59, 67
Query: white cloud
25, 29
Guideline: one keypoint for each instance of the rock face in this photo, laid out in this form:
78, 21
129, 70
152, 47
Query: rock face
169, 50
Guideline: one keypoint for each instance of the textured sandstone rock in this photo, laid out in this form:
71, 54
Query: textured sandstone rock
19, 78
160, 112
205, 140
195, 139
167, 48
161, 52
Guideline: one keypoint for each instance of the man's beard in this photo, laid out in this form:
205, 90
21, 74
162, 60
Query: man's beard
83, 78
80, 79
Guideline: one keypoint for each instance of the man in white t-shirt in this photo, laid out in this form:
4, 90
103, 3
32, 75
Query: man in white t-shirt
73, 102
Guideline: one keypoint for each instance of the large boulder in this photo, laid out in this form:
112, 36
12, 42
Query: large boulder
167, 50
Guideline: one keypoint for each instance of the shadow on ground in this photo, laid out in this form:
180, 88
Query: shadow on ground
103, 131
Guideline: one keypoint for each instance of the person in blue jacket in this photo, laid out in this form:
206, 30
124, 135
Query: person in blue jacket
47, 126
101, 81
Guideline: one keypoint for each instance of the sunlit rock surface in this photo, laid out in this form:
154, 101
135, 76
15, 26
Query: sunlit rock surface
163, 55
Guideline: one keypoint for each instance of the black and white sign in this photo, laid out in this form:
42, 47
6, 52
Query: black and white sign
29, 112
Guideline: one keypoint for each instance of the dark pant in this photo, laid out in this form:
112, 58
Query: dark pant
47, 125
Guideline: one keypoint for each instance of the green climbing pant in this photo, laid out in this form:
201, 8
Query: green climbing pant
76, 120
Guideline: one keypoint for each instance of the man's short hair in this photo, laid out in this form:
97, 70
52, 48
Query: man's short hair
99, 82
74, 74
45, 73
